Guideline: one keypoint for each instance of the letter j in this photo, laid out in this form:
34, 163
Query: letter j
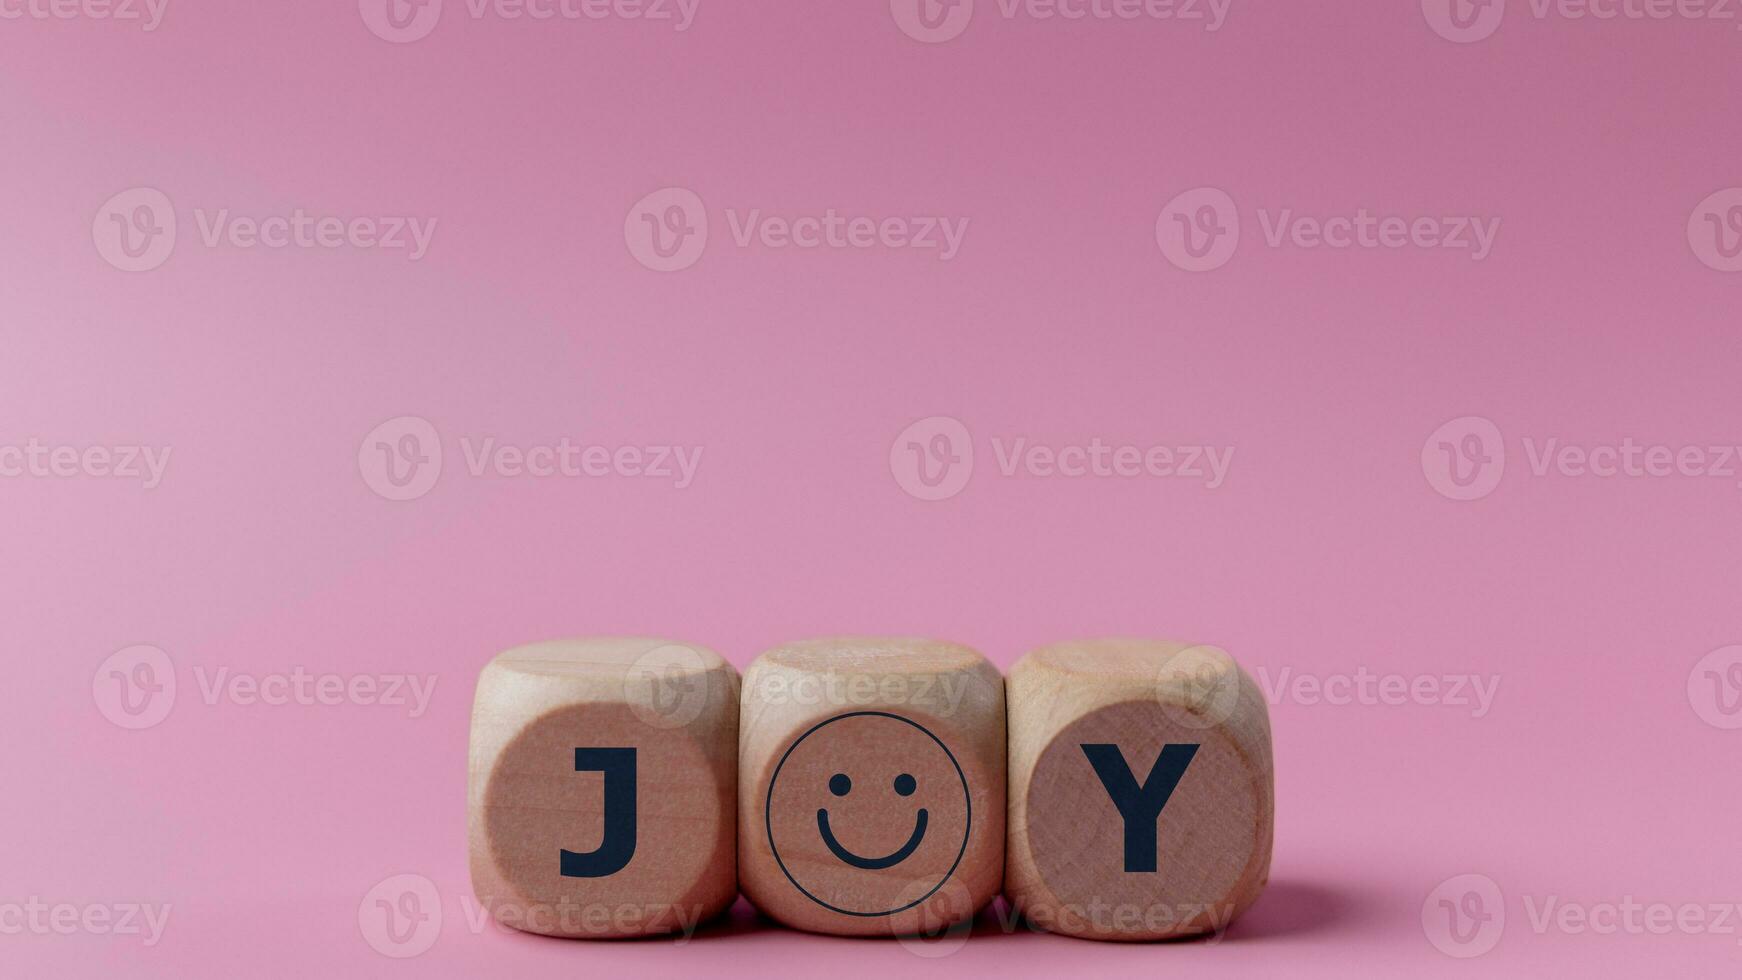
618, 844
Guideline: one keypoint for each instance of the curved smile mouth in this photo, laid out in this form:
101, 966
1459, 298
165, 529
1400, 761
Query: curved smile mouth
872, 864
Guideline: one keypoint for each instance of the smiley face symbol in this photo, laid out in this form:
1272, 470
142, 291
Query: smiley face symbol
841, 784
868, 813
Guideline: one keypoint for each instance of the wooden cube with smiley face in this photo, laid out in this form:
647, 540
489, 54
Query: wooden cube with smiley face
871, 798
603, 787
1141, 797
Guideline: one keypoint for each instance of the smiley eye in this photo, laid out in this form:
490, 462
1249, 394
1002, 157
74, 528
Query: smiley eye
905, 784
840, 785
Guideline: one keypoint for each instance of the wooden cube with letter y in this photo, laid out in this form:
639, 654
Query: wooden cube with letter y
1141, 799
603, 787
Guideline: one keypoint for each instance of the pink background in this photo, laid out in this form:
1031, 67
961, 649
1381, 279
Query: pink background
1593, 778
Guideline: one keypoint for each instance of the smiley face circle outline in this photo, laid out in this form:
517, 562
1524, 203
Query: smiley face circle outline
768, 811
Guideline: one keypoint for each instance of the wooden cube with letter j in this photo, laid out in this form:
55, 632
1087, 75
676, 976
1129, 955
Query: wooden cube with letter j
603, 787
1141, 797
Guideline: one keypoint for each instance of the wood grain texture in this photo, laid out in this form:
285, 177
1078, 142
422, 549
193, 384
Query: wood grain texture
676, 706
1067, 863
872, 798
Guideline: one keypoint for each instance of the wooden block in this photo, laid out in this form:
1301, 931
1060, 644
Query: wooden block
872, 800
603, 787
1141, 799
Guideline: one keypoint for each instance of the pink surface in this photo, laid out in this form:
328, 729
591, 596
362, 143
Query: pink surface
1335, 545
